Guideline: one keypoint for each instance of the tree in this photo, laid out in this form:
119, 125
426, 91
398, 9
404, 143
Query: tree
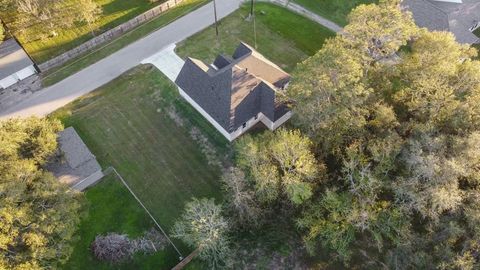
38, 214
202, 226
394, 112
241, 198
378, 31
2, 33
283, 165
89, 12
39, 217
35, 19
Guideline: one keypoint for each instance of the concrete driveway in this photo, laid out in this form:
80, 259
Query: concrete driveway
167, 61
49, 99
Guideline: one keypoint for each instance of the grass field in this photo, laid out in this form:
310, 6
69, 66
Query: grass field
57, 74
113, 209
284, 37
334, 10
477, 32
127, 124
139, 124
115, 12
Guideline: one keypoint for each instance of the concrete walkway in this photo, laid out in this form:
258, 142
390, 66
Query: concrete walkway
307, 13
49, 99
167, 61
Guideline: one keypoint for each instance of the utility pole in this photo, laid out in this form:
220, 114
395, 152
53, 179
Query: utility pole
215, 13
251, 8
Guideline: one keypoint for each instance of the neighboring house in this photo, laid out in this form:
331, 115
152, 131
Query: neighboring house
461, 17
236, 93
15, 65
74, 164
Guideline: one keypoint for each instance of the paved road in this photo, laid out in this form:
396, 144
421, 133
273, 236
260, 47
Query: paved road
107, 69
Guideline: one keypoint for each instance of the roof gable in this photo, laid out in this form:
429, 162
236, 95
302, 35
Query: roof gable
234, 90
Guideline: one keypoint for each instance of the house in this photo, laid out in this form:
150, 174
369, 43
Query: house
236, 93
461, 17
15, 65
74, 164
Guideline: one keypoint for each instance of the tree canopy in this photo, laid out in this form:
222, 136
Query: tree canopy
38, 214
396, 110
202, 226
35, 19
384, 164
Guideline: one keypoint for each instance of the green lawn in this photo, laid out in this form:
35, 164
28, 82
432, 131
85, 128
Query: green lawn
284, 37
57, 74
115, 12
113, 209
334, 10
477, 32
127, 124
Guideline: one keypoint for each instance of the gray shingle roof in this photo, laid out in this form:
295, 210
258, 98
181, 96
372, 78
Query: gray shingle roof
73, 148
427, 15
12, 58
234, 90
222, 61
446, 16
76, 162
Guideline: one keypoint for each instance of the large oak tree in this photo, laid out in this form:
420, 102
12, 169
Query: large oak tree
38, 214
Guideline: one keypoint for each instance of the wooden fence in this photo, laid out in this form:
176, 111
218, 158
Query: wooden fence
108, 35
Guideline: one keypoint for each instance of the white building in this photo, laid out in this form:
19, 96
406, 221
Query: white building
235, 93
15, 65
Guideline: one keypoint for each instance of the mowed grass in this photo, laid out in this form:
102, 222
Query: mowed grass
115, 12
334, 10
126, 125
111, 208
284, 37
57, 74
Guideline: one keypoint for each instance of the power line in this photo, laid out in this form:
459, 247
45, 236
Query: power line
146, 210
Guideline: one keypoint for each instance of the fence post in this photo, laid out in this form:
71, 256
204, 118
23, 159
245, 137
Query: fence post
108, 35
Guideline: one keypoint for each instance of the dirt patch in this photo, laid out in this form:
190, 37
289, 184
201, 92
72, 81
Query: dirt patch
172, 113
206, 147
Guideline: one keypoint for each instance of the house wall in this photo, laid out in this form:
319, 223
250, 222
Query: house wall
250, 123
248, 108
17, 76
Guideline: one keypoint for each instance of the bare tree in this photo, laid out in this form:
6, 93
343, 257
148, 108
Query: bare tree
89, 12
241, 198
202, 226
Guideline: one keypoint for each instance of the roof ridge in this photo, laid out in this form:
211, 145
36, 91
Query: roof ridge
441, 10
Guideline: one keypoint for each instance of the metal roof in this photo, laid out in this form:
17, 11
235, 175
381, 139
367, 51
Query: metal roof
12, 58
